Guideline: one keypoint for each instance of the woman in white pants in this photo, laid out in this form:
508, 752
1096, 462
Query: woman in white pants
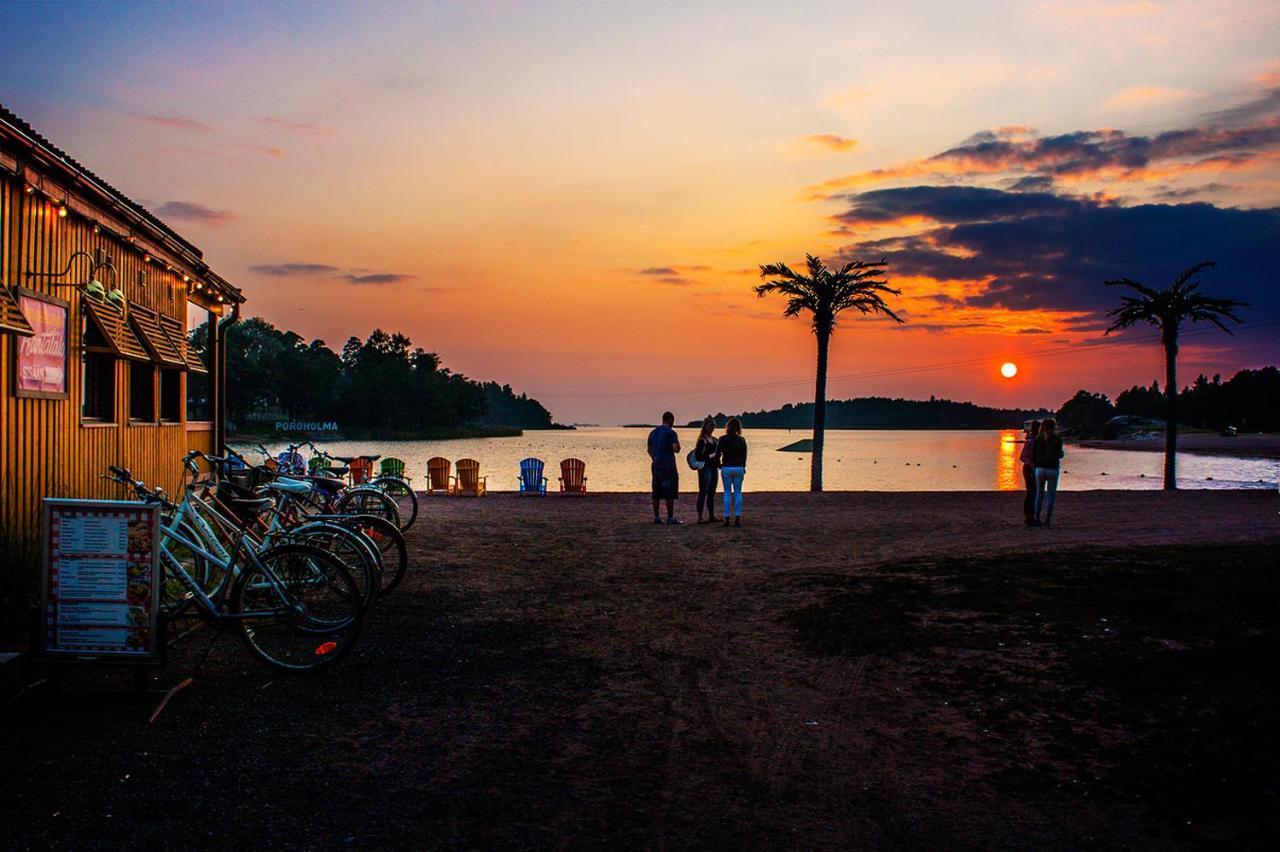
733, 468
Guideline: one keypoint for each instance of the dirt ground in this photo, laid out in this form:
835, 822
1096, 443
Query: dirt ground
845, 671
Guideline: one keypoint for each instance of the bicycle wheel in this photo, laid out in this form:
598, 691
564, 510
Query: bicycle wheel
357, 553
174, 592
401, 492
390, 544
367, 500
322, 602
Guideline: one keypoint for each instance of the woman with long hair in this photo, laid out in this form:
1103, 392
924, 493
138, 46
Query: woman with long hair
1048, 458
1029, 474
707, 451
733, 468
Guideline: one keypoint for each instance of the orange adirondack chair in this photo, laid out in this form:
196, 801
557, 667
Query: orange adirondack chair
470, 482
439, 482
573, 479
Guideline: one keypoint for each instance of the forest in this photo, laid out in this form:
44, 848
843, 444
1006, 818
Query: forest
1249, 401
876, 412
382, 386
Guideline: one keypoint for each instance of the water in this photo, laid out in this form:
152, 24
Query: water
856, 460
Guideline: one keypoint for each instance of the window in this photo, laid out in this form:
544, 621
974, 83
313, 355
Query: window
199, 389
98, 399
142, 392
171, 396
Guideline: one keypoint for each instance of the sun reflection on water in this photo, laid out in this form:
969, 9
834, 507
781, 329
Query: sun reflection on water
1008, 473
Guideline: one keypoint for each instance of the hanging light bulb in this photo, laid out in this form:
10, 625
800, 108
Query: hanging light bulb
97, 229
30, 188
186, 279
146, 258
62, 211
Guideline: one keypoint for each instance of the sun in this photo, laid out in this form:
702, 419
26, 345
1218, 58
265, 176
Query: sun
1008, 369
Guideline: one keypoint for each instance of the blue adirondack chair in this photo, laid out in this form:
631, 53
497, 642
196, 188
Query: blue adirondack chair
531, 479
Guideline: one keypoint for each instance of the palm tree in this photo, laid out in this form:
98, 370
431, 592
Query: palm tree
1169, 309
827, 293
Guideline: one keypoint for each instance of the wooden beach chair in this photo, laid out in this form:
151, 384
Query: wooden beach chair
470, 482
531, 479
361, 469
573, 478
439, 481
392, 466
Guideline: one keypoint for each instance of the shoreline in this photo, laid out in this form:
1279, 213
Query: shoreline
1241, 446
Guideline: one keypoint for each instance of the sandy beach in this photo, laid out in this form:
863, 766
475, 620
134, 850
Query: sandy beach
844, 671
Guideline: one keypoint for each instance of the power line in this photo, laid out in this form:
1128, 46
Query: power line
1104, 342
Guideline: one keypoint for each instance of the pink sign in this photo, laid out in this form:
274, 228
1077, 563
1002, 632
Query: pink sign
42, 357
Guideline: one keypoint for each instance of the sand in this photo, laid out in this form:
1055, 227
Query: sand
844, 671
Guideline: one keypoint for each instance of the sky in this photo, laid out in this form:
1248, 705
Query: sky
575, 198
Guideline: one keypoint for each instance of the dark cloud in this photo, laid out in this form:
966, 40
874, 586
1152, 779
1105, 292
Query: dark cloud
1033, 183
377, 278
1038, 251
1231, 139
296, 269
1266, 104
658, 270
1171, 193
190, 211
950, 204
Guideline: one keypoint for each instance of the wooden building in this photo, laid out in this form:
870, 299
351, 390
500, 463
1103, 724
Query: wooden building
97, 365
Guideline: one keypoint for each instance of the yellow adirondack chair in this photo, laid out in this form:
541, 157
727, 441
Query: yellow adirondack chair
470, 482
439, 482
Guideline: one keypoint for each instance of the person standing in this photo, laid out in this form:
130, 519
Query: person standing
663, 446
1029, 474
733, 469
707, 451
1047, 454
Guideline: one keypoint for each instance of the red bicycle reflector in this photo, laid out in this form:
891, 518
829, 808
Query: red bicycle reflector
326, 648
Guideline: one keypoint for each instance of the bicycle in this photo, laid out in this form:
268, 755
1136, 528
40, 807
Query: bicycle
296, 606
395, 487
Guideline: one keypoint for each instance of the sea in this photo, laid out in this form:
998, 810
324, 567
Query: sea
855, 460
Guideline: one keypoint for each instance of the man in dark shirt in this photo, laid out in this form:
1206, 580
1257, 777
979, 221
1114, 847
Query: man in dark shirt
663, 446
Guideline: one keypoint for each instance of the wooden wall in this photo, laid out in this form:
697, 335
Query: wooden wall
45, 449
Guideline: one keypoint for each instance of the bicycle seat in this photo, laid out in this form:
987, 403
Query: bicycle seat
289, 486
251, 506
344, 459
338, 471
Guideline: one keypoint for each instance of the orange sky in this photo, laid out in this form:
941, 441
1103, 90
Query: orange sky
573, 198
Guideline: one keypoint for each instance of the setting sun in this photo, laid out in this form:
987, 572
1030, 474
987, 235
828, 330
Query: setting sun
1008, 369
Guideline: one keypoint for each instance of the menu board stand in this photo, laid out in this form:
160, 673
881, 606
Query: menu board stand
100, 600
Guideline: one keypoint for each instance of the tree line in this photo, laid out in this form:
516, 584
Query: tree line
878, 412
381, 385
1249, 401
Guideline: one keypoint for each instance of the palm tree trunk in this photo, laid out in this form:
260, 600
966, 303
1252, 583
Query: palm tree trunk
1171, 424
819, 412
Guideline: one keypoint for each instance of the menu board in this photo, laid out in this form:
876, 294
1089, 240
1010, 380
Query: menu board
101, 578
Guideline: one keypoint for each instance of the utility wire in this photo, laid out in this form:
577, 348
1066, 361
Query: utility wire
1103, 342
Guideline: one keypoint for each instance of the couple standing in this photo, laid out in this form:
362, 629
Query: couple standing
726, 456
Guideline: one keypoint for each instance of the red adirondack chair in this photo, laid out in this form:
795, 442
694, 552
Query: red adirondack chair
573, 479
